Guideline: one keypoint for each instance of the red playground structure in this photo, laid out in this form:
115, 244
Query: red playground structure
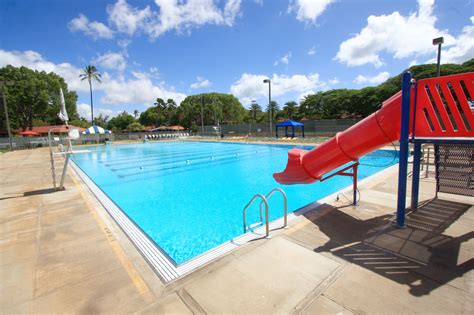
436, 110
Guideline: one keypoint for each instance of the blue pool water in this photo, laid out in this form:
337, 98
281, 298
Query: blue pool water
189, 196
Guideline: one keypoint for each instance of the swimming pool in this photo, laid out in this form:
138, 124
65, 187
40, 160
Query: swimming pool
188, 197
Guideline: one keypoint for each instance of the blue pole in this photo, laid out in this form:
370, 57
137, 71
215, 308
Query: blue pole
415, 185
403, 161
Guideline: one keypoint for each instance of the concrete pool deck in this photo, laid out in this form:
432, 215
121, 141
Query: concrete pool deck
61, 252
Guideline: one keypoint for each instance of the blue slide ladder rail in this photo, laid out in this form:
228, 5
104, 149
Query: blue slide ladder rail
407, 84
403, 158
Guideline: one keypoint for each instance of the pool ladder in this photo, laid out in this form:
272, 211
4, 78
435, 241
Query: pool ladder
264, 201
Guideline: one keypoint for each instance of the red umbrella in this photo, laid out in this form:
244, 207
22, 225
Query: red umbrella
28, 133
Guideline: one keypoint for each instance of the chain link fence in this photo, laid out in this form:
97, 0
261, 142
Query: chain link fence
312, 129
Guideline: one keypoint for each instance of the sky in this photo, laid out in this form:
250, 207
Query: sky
147, 49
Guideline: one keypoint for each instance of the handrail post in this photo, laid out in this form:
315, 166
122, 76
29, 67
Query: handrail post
52, 158
265, 201
285, 205
267, 224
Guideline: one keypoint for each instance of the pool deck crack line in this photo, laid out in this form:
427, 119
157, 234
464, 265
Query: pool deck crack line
190, 302
319, 289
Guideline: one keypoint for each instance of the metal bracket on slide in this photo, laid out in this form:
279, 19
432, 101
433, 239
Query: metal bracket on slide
343, 172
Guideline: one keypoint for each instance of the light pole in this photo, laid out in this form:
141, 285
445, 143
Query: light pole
438, 41
202, 118
3, 84
269, 102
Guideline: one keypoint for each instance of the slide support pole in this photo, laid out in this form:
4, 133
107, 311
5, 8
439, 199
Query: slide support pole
354, 185
415, 185
403, 161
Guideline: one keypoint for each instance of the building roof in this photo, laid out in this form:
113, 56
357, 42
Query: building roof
57, 129
172, 128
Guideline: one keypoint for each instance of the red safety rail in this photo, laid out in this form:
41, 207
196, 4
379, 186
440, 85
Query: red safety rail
445, 106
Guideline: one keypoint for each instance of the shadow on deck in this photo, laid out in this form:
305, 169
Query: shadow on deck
421, 255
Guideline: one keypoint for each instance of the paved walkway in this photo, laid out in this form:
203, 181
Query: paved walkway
61, 252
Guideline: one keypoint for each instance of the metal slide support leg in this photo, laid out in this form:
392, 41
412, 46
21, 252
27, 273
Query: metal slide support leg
354, 184
415, 185
403, 160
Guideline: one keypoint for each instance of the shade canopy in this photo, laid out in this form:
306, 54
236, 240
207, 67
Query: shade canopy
289, 123
28, 133
292, 124
95, 130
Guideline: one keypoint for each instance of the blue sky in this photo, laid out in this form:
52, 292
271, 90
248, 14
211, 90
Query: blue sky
165, 48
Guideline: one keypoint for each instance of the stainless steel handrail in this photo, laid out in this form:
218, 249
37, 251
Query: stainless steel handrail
285, 205
51, 156
53, 169
267, 224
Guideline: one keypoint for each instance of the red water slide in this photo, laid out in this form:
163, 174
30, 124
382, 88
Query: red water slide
444, 109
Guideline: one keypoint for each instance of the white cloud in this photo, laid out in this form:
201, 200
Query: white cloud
309, 10
402, 36
377, 79
35, 61
93, 29
251, 86
462, 50
200, 83
84, 110
334, 81
302, 96
283, 60
126, 18
172, 15
231, 10
123, 43
139, 89
312, 51
111, 60
414, 62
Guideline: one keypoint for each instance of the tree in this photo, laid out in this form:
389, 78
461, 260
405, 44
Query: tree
171, 112
291, 110
101, 121
224, 108
34, 97
120, 122
255, 110
135, 126
149, 117
275, 109
90, 73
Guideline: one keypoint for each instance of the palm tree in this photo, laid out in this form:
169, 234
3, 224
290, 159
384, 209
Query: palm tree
254, 110
275, 109
290, 109
90, 73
